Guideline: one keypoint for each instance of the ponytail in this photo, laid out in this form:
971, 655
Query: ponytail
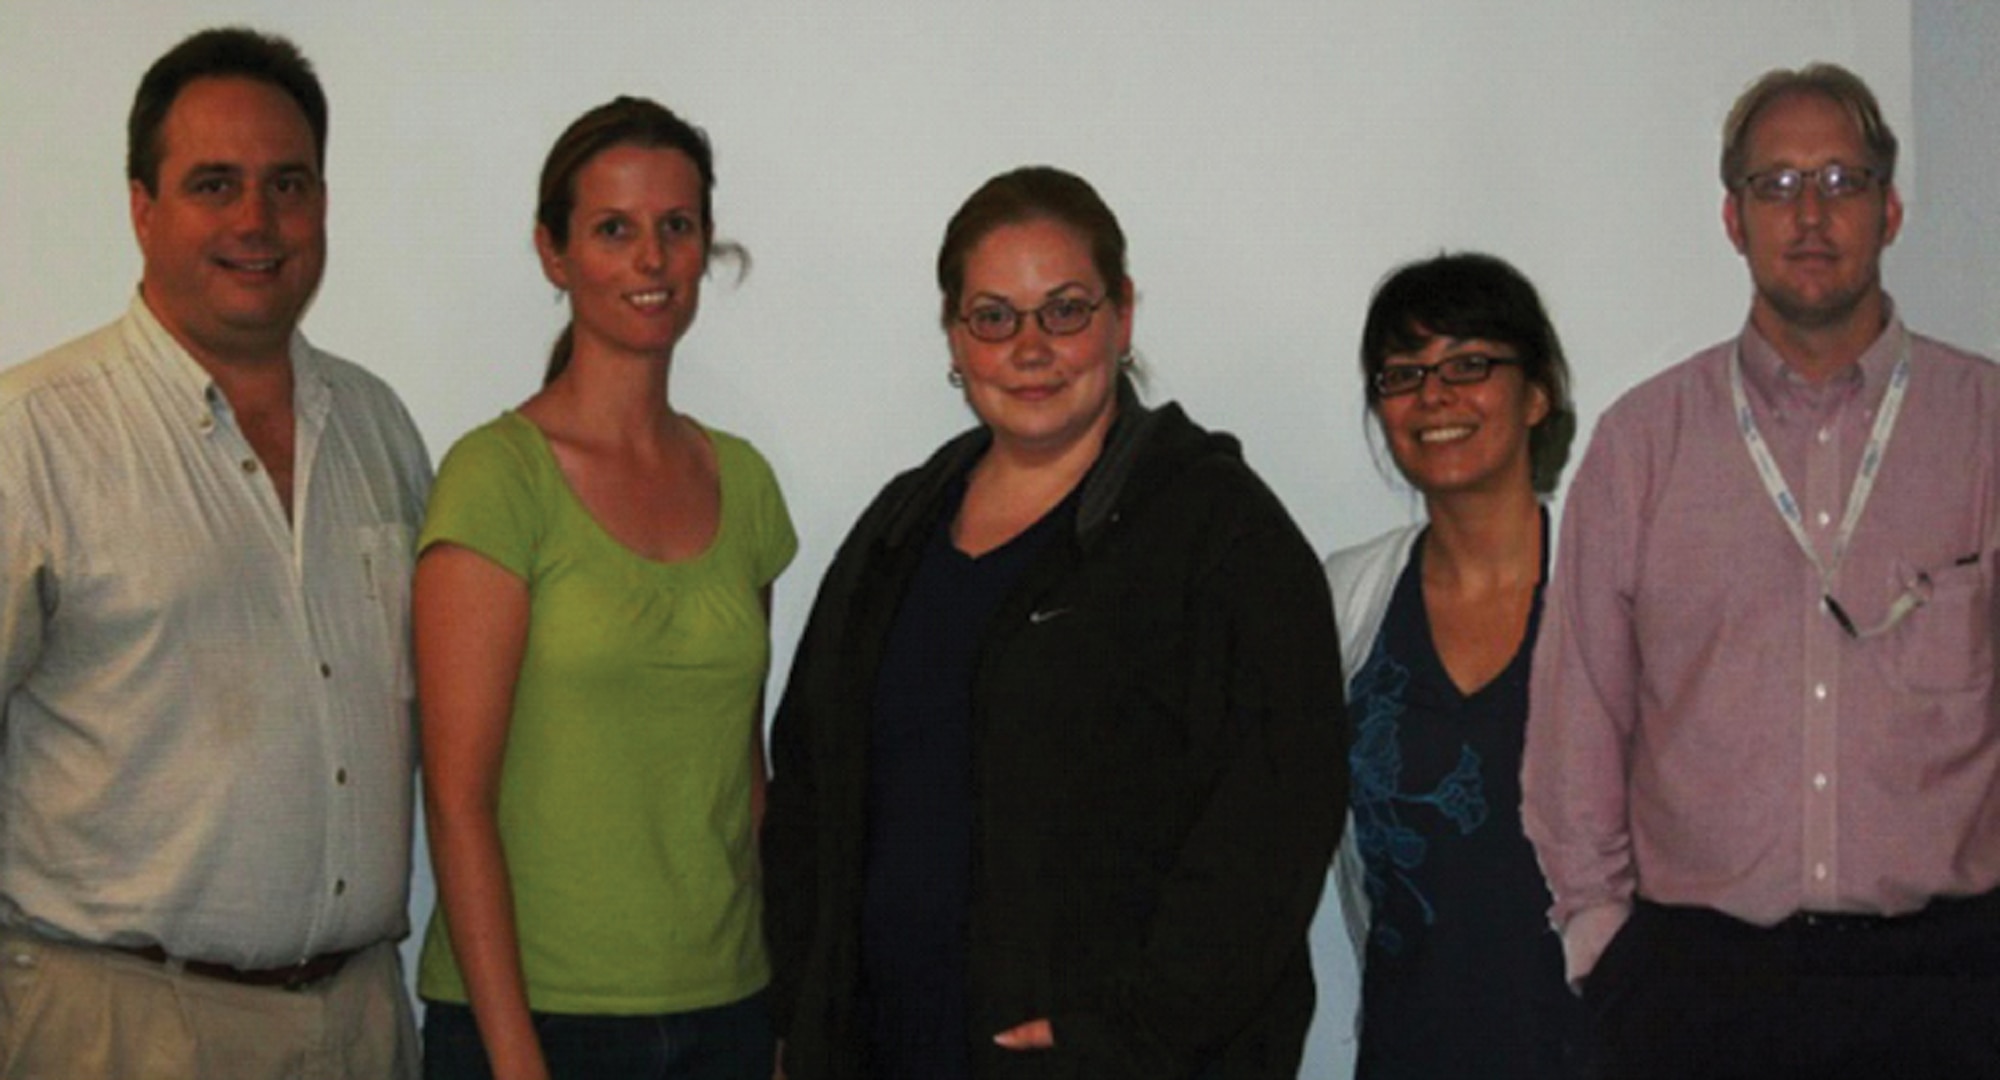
559, 355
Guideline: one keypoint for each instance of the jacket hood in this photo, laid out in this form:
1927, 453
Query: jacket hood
1144, 447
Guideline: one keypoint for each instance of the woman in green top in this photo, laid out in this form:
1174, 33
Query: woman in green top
591, 600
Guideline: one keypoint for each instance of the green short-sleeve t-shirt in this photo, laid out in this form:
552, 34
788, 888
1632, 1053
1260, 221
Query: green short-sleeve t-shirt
625, 792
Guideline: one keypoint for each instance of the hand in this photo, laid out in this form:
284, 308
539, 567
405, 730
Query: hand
1587, 935
1033, 1035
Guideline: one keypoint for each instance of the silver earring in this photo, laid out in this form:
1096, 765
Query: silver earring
955, 377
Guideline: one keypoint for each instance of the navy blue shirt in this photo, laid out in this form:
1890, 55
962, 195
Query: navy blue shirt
917, 884
1463, 976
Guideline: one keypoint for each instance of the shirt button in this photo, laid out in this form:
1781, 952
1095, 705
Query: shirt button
326, 671
1824, 519
340, 886
206, 423
249, 465
1819, 691
340, 776
1819, 872
1825, 435
1819, 782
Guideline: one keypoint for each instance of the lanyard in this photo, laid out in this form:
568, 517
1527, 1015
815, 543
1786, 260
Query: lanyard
1857, 497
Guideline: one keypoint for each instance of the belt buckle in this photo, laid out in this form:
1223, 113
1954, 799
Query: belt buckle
311, 972
1842, 922
299, 979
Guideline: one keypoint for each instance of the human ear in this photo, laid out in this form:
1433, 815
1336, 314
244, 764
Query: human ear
1732, 221
553, 266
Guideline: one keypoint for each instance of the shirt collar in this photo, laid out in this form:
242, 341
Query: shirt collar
1770, 378
191, 383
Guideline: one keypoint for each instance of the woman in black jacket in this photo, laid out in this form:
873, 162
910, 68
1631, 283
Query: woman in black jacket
1059, 768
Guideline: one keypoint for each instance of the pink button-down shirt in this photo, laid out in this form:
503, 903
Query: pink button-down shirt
1703, 731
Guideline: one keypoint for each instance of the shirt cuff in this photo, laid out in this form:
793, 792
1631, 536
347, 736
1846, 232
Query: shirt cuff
1586, 934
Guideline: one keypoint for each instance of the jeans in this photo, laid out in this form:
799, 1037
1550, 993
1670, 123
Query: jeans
726, 1042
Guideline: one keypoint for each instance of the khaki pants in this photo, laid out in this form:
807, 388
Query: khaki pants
71, 1012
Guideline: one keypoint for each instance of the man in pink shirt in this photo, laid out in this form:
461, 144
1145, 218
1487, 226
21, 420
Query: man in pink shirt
1763, 763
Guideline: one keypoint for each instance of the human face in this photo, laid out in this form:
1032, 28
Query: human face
1815, 261
235, 240
1040, 394
1469, 437
636, 252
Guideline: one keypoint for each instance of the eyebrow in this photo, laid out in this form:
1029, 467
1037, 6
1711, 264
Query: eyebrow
1476, 341
1051, 294
621, 208
228, 168
1457, 345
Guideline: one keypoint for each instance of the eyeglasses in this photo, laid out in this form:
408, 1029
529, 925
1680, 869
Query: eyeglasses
995, 321
1834, 180
1395, 380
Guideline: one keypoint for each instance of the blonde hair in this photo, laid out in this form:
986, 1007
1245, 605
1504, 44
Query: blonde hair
1830, 81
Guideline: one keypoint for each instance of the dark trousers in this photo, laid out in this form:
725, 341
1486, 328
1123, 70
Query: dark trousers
728, 1042
1690, 993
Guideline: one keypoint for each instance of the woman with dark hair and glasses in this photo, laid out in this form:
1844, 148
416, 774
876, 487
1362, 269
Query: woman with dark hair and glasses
1446, 908
591, 601
1058, 770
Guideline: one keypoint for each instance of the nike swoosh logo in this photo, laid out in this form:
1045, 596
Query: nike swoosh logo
1040, 617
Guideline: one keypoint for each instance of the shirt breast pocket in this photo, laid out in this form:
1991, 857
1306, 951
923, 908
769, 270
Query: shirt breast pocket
388, 560
1947, 645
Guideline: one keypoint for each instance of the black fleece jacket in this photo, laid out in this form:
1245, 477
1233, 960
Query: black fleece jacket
1159, 774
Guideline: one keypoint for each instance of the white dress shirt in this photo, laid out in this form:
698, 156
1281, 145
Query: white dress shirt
207, 735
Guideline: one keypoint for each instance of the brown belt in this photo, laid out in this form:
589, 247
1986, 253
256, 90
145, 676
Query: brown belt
297, 976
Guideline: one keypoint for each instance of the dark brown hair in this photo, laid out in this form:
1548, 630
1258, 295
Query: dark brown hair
1471, 295
1032, 193
226, 52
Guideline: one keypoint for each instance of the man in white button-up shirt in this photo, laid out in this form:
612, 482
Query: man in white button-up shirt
205, 539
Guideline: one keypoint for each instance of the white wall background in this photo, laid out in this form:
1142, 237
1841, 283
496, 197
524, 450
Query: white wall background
1949, 263
1270, 160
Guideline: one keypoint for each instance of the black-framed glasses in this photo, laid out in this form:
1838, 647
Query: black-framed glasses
1834, 181
996, 320
1394, 380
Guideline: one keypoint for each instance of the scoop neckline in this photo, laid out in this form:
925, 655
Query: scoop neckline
576, 503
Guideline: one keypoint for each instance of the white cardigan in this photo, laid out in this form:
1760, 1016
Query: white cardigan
1363, 578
